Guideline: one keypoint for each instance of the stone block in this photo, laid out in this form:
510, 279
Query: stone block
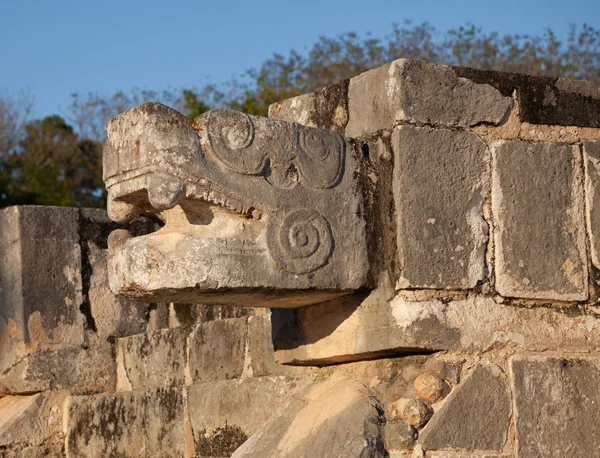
326, 108
240, 407
152, 360
133, 424
329, 419
399, 436
557, 411
55, 298
544, 100
537, 203
441, 180
481, 405
420, 92
260, 356
78, 370
217, 350
31, 421
591, 152
348, 331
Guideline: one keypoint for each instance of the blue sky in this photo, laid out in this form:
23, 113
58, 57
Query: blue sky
57, 47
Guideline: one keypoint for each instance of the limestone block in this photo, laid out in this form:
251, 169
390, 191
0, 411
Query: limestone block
78, 370
543, 100
405, 326
592, 194
420, 92
399, 436
330, 419
556, 401
260, 357
537, 203
326, 108
152, 360
243, 406
133, 424
30, 421
234, 190
217, 350
441, 180
481, 405
56, 301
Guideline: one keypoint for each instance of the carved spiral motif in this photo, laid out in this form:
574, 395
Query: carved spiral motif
231, 136
321, 157
301, 242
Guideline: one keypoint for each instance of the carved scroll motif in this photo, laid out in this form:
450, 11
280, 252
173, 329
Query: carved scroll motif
283, 153
301, 242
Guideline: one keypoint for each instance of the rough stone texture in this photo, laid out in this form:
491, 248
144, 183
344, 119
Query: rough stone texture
592, 193
260, 357
420, 92
326, 108
399, 436
190, 315
217, 350
481, 405
463, 455
429, 388
56, 304
337, 332
332, 419
30, 422
409, 410
557, 406
79, 370
537, 203
139, 423
440, 184
244, 405
544, 100
152, 360
234, 190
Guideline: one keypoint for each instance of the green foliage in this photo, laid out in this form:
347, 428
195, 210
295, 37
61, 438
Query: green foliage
193, 104
50, 162
52, 166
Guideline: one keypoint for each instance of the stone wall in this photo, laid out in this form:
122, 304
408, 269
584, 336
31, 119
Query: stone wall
480, 335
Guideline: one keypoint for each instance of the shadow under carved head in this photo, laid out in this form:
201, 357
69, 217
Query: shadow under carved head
256, 212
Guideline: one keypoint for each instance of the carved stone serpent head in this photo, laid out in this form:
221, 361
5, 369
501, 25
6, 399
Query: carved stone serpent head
253, 211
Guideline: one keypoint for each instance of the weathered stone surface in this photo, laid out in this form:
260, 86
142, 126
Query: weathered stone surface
132, 424
441, 180
290, 206
463, 455
29, 421
544, 100
557, 406
326, 108
537, 203
337, 332
399, 436
332, 419
56, 301
79, 370
152, 360
481, 405
190, 315
429, 388
409, 410
592, 194
217, 350
243, 405
260, 356
420, 92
